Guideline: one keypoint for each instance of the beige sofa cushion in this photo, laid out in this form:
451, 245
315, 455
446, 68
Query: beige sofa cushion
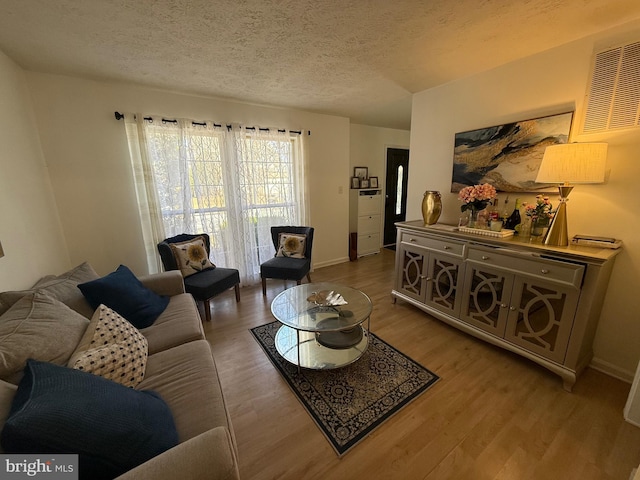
39, 327
186, 378
210, 455
62, 287
112, 348
178, 324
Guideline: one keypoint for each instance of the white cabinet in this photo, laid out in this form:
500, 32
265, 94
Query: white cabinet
365, 218
540, 302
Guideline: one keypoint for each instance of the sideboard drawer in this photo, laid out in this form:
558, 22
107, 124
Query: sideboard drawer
445, 246
553, 270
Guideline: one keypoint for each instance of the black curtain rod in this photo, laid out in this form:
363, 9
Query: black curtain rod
120, 116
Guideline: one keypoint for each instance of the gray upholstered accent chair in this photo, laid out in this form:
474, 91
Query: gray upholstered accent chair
287, 268
206, 284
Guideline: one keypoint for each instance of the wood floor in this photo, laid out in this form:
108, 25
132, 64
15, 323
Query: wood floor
492, 415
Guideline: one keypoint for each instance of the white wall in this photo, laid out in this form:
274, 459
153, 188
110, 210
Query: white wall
552, 82
368, 148
86, 150
29, 226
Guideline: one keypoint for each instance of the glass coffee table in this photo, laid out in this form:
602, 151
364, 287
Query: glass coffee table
322, 325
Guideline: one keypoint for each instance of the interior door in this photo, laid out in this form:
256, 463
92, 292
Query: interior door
395, 203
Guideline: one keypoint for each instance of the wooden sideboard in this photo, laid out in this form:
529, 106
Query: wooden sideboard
538, 301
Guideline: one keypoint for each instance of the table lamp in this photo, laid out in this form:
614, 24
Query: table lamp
567, 164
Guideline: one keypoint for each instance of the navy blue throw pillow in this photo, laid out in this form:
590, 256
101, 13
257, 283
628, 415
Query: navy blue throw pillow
111, 427
123, 292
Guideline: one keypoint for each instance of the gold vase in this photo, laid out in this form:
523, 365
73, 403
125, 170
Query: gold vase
431, 207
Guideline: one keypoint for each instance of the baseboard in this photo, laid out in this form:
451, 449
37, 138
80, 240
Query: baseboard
328, 263
632, 422
612, 370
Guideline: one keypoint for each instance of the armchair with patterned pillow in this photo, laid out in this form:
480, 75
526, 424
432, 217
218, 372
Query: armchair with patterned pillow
189, 253
292, 260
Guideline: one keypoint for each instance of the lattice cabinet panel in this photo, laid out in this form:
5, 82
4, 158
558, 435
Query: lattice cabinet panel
443, 283
541, 317
486, 298
411, 272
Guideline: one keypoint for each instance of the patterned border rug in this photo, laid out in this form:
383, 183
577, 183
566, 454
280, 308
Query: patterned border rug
348, 403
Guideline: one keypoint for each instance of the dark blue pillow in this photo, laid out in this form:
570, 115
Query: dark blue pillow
123, 292
111, 427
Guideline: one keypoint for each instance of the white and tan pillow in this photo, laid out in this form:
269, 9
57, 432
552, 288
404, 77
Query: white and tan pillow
291, 245
40, 327
191, 256
112, 348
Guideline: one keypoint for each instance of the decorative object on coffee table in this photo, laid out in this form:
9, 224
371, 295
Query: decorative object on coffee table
349, 403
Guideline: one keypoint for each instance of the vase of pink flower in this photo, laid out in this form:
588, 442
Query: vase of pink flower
541, 213
476, 198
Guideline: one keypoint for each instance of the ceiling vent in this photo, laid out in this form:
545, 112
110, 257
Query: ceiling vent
613, 97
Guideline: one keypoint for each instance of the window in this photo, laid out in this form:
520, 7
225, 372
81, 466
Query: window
399, 191
232, 183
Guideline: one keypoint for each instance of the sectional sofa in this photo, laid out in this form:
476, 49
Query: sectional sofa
41, 330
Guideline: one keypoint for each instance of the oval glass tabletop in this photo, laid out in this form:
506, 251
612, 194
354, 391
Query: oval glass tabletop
321, 307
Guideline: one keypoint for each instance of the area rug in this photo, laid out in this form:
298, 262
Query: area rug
348, 403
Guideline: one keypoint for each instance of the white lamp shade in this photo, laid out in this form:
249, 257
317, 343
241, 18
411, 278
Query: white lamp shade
573, 163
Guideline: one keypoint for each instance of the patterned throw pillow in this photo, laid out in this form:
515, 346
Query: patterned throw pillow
191, 256
291, 245
112, 348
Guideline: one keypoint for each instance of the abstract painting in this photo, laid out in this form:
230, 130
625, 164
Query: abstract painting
508, 156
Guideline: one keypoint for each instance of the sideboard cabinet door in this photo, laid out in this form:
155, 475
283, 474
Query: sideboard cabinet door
444, 280
411, 271
486, 294
541, 317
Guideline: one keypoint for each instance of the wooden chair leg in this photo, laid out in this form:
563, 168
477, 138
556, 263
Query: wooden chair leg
207, 310
264, 286
237, 289
309, 277
298, 282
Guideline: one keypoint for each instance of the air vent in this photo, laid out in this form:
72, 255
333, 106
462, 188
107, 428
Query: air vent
613, 97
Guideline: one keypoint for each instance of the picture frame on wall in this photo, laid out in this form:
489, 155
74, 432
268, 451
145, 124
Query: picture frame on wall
373, 182
361, 172
507, 156
355, 182
364, 183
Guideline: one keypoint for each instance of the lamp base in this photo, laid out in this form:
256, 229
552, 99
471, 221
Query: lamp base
557, 233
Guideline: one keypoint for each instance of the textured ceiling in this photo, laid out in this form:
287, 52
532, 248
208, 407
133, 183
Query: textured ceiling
360, 59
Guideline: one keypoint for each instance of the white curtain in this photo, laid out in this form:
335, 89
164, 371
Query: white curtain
231, 182
146, 191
